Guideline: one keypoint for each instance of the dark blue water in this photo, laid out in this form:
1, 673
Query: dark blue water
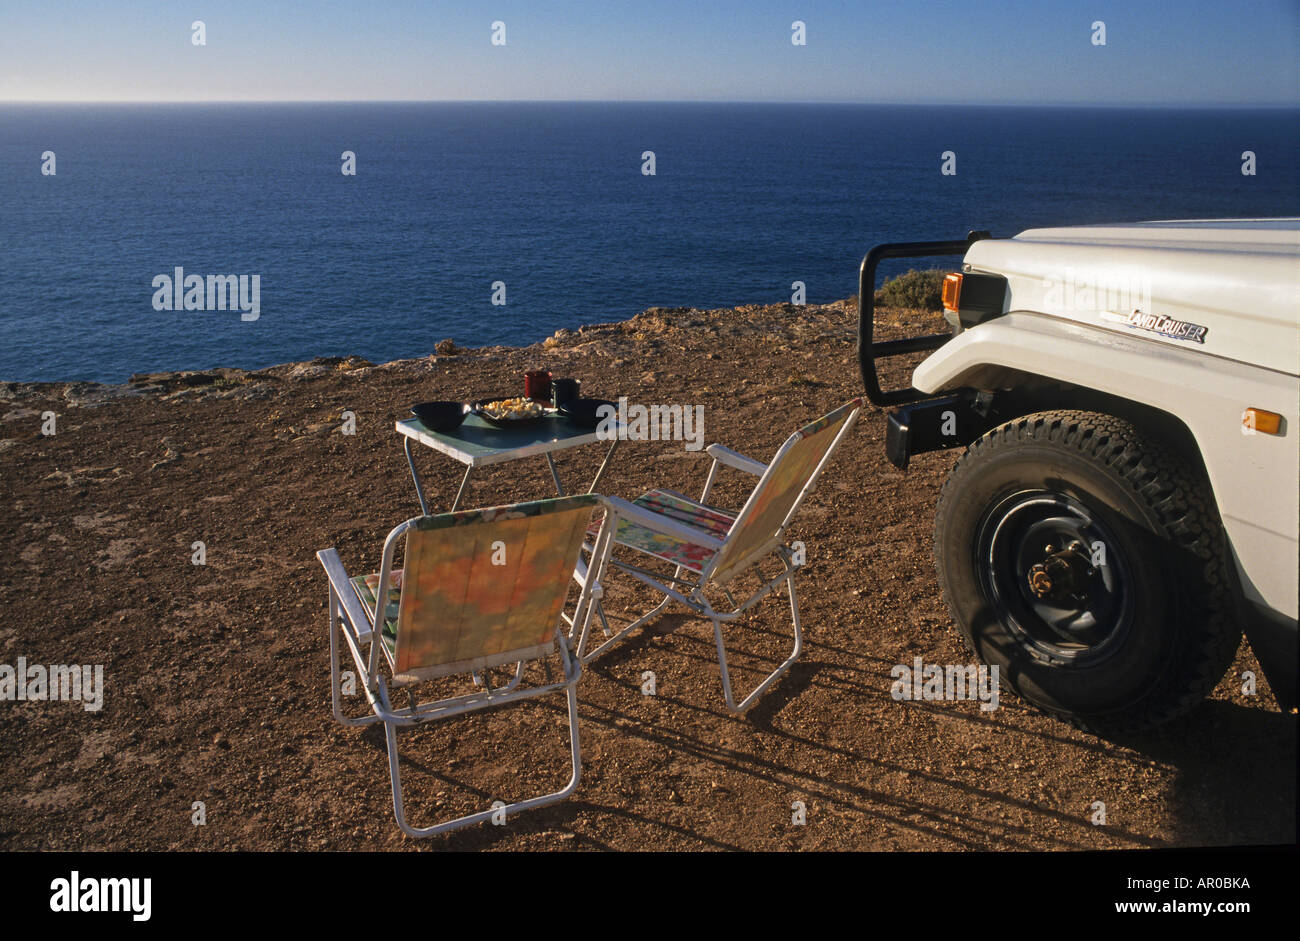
548, 198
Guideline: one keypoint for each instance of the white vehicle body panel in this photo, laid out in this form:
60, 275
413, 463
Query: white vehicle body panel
1241, 280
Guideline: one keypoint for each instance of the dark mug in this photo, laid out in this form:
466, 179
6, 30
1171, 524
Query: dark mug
537, 385
564, 391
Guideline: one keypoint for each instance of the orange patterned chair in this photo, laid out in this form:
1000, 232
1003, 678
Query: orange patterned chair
478, 589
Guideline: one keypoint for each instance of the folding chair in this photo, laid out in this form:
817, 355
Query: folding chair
478, 589
709, 547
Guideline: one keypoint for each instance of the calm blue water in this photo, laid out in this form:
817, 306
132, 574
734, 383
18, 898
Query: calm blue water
548, 198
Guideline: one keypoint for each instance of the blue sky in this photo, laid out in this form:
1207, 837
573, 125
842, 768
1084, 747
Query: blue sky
967, 51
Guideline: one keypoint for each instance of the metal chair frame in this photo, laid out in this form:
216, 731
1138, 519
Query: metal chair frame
350, 621
692, 593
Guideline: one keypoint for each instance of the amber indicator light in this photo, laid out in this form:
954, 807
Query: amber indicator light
952, 292
1254, 419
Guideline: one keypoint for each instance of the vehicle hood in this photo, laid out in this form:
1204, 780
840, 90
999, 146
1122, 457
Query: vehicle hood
1226, 287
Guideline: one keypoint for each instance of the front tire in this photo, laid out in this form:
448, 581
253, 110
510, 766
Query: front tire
1085, 559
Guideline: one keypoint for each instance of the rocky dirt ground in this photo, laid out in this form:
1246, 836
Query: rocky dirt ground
216, 675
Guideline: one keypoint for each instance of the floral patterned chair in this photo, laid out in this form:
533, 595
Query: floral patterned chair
708, 547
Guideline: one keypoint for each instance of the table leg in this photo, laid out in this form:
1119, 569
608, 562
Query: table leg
600, 606
604, 464
464, 481
419, 491
555, 474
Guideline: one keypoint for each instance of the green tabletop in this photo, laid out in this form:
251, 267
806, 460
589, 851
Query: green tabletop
477, 442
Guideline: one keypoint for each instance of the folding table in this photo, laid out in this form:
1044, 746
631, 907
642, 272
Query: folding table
478, 443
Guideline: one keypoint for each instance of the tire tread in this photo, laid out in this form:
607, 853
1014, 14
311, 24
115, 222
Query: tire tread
1181, 500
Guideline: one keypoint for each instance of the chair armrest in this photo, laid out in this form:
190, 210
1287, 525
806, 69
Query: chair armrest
352, 606
663, 524
580, 576
737, 460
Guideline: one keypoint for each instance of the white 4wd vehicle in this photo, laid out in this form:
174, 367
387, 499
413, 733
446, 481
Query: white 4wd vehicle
1127, 500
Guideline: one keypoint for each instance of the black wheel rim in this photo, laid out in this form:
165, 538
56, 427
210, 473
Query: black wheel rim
1056, 576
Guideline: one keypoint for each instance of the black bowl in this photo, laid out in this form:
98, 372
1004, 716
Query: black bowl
440, 416
583, 412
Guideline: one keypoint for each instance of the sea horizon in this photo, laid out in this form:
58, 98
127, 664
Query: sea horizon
499, 222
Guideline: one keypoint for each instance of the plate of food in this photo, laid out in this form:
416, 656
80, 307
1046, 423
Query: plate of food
510, 412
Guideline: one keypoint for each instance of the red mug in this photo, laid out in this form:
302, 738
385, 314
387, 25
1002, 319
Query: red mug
537, 385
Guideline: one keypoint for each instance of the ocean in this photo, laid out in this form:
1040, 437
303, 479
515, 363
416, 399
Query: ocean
544, 205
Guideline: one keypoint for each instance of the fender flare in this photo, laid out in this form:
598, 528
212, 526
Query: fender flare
1207, 393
